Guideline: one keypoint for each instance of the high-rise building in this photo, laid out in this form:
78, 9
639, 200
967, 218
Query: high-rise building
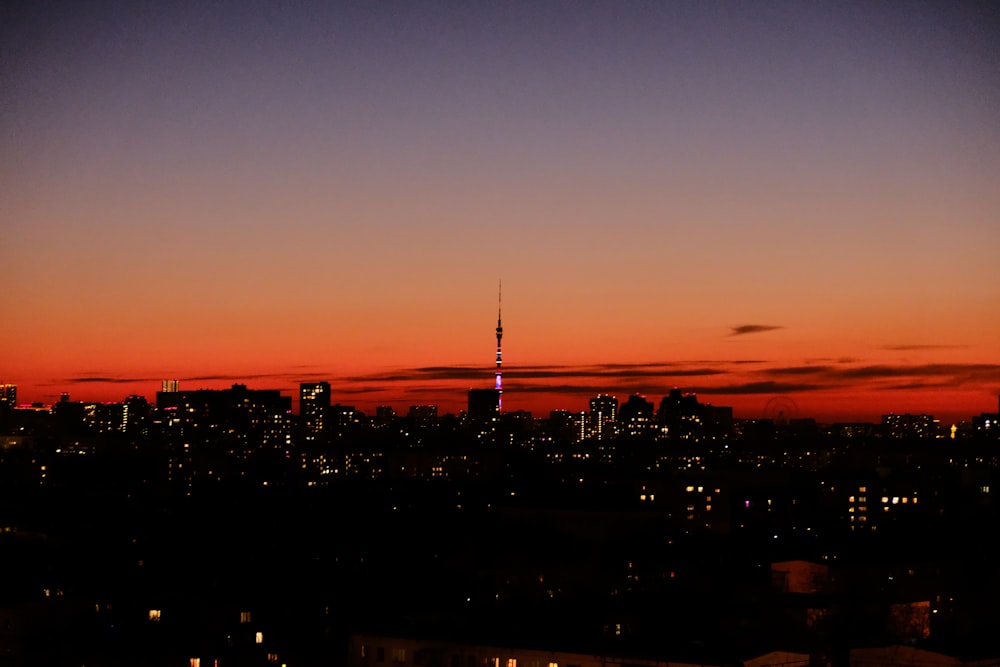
8, 395
314, 408
909, 426
343, 419
603, 415
245, 418
384, 416
422, 416
170, 386
636, 416
484, 413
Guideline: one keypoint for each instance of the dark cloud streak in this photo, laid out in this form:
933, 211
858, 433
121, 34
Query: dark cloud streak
745, 329
917, 348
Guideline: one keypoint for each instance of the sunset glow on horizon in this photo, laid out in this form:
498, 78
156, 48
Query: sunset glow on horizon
744, 202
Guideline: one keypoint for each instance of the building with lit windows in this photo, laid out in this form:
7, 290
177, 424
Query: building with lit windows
239, 416
636, 417
870, 507
314, 408
422, 416
8, 396
385, 415
484, 411
909, 426
988, 424
603, 417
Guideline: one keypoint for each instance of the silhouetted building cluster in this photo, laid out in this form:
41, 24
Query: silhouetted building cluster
219, 527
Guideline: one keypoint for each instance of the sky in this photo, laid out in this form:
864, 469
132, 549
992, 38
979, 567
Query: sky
779, 203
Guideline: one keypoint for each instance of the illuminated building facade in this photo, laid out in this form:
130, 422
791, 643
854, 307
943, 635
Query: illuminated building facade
603, 416
870, 507
314, 408
909, 426
242, 417
8, 395
636, 417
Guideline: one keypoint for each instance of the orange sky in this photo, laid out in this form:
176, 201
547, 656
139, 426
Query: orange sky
217, 196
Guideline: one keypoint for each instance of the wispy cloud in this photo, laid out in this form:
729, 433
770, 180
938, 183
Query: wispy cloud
762, 387
710, 378
801, 370
104, 379
918, 348
541, 372
744, 329
235, 378
925, 370
910, 376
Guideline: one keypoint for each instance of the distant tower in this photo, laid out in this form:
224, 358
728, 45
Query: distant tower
499, 384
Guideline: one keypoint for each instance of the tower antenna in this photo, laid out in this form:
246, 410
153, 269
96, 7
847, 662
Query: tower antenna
499, 382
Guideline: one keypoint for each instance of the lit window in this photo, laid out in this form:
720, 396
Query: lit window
244, 617
154, 615
511, 662
195, 662
259, 638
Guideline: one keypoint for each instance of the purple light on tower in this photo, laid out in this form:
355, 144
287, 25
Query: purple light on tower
499, 384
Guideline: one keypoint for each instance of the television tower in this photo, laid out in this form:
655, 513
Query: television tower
499, 385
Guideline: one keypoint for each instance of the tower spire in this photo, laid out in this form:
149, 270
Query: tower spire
499, 382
